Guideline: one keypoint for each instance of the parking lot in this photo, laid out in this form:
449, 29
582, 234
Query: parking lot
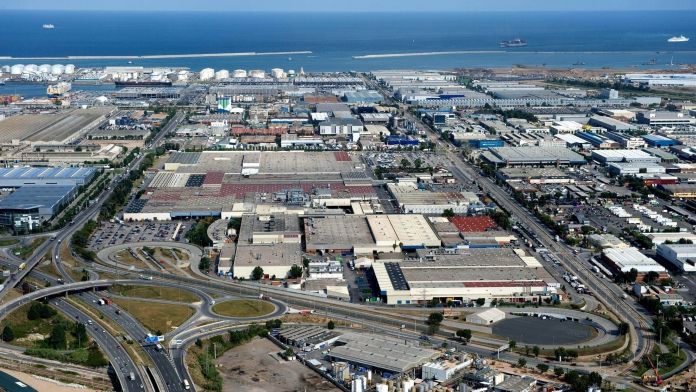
115, 233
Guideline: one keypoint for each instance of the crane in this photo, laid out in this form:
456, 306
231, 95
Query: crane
658, 380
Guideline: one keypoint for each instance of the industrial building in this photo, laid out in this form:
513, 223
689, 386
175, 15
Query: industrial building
626, 140
464, 275
277, 228
365, 234
535, 175
525, 156
380, 353
412, 200
363, 96
276, 260
230, 183
681, 256
486, 143
341, 126
60, 128
626, 259
39, 193
659, 141
598, 141
611, 124
631, 156
605, 241
486, 316
664, 118
636, 168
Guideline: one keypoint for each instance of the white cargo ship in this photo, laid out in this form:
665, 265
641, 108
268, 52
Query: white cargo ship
681, 38
48, 26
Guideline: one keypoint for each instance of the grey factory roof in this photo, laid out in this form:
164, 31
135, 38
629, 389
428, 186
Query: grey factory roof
49, 127
268, 255
30, 173
421, 275
307, 335
185, 158
337, 232
532, 172
36, 196
536, 155
381, 352
22, 176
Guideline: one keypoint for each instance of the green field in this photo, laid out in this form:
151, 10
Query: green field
244, 308
156, 317
152, 292
25, 251
8, 242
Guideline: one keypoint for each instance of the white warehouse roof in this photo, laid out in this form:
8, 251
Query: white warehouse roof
629, 258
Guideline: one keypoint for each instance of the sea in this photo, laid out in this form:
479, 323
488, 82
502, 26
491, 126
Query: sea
350, 41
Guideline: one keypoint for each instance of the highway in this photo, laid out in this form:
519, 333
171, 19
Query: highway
121, 362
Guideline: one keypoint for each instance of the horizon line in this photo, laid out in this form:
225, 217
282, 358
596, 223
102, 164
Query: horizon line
294, 11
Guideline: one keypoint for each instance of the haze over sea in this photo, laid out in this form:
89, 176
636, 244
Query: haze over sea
556, 39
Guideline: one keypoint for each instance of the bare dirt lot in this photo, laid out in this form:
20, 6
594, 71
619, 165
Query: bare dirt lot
250, 368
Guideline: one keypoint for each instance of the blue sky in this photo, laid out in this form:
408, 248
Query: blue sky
352, 5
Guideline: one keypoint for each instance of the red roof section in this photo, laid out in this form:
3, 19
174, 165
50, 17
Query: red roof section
213, 178
471, 224
506, 284
342, 156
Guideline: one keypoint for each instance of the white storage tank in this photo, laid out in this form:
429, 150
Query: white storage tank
382, 388
31, 68
57, 69
222, 74
207, 74
45, 68
5, 69
239, 73
17, 69
257, 73
278, 73
70, 69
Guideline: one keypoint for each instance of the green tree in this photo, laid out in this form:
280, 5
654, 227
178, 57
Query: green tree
331, 324
464, 334
536, 351
46, 311
205, 264
521, 362
57, 339
434, 320
623, 328
480, 301
448, 213
295, 272
257, 273
543, 368
418, 163
512, 344
558, 371
80, 333
34, 312
95, 358
405, 163
7, 334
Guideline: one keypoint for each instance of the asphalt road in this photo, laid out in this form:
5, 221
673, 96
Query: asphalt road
121, 362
